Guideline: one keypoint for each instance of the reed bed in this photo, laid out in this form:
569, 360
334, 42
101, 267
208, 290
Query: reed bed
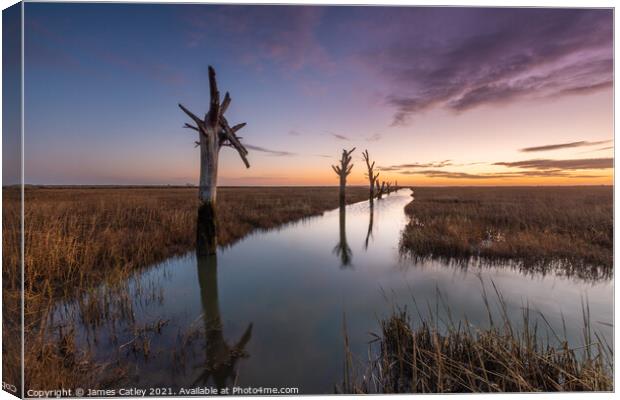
459, 358
76, 237
537, 226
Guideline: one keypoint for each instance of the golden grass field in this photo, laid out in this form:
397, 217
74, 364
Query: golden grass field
533, 225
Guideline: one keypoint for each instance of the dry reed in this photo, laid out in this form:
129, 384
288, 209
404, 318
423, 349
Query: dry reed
458, 358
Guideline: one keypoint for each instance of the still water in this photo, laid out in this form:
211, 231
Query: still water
269, 310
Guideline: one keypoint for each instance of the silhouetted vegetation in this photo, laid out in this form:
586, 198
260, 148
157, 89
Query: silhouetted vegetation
343, 170
371, 175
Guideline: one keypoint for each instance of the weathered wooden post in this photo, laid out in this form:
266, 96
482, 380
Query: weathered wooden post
214, 132
206, 232
343, 170
381, 189
388, 188
372, 177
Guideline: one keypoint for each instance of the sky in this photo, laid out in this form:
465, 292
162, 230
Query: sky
438, 96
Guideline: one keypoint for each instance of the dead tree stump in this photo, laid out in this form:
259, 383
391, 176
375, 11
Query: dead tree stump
343, 170
372, 177
214, 132
381, 189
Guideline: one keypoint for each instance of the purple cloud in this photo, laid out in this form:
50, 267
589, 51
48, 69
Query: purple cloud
545, 164
498, 175
460, 59
557, 146
338, 136
434, 164
276, 153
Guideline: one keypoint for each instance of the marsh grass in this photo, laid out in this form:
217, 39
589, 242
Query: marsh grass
78, 238
568, 228
454, 357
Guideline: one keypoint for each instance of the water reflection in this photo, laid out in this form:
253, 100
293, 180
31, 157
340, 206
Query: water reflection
580, 274
220, 357
342, 249
371, 213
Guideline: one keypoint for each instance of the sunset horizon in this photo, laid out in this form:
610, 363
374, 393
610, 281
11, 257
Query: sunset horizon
473, 98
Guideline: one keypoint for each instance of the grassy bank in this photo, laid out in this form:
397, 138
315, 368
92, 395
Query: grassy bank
76, 238
461, 359
533, 225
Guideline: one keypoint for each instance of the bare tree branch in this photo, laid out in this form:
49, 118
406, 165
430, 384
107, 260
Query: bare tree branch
349, 169
197, 120
244, 158
237, 127
225, 103
234, 141
230, 135
191, 127
214, 109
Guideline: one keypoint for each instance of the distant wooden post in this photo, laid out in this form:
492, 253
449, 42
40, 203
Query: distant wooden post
381, 190
388, 188
372, 177
343, 170
214, 132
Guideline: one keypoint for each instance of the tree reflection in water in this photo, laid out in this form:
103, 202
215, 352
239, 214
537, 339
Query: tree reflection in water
370, 222
220, 357
342, 249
